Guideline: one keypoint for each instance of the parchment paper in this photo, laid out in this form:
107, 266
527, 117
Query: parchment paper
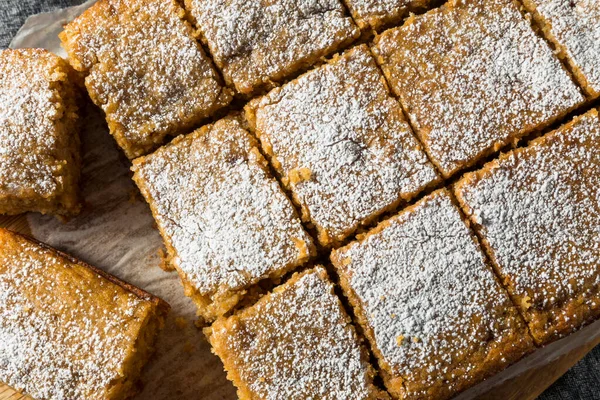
116, 232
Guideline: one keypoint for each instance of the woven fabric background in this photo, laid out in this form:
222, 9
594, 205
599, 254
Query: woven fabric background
582, 382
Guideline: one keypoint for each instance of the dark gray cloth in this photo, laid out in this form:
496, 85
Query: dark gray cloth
582, 382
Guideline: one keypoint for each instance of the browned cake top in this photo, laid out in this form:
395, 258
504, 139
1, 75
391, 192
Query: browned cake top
297, 343
473, 75
65, 332
255, 42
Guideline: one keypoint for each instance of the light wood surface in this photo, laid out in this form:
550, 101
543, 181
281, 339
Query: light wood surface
527, 386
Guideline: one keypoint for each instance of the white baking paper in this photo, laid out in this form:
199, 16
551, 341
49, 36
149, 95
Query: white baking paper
116, 232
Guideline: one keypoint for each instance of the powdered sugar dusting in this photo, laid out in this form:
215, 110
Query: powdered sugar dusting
341, 127
429, 298
297, 343
228, 222
377, 13
538, 208
473, 75
575, 25
146, 70
30, 133
254, 42
57, 338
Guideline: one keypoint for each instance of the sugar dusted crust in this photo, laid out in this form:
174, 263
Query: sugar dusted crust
50, 347
296, 342
256, 43
145, 69
378, 14
341, 145
536, 209
473, 76
225, 220
39, 138
436, 317
574, 29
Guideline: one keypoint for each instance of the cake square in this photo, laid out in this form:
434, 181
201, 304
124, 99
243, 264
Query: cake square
225, 221
573, 27
296, 342
377, 14
68, 330
473, 77
145, 69
437, 318
39, 138
256, 43
536, 209
341, 145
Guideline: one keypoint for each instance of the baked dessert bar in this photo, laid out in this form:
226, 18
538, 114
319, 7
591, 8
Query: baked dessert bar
437, 318
536, 209
145, 69
39, 138
225, 221
377, 14
296, 342
573, 27
256, 43
341, 145
68, 330
473, 76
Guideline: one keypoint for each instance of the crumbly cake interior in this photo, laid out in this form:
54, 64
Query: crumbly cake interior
145, 69
340, 143
296, 342
473, 76
39, 142
256, 43
574, 28
538, 214
66, 331
377, 14
226, 221
437, 318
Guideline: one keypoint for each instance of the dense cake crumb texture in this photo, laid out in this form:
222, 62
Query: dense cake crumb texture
145, 69
538, 211
226, 221
255, 42
341, 144
37, 132
420, 285
377, 14
473, 76
295, 343
58, 338
574, 26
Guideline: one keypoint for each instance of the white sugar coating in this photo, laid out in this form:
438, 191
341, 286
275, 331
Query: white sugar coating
575, 26
61, 336
376, 13
425, 291
146, 70
30, 114
225, 218
538, 210
341, 127
297, 343
254, 41
473, 75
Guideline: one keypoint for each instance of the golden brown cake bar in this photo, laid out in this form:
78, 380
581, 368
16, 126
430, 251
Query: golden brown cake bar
473, 76
39, 138
537, 210
224, 219
574, 29
68, 330
296, 342
145, 69
377, 14
256, 43
435, 314
341, 144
